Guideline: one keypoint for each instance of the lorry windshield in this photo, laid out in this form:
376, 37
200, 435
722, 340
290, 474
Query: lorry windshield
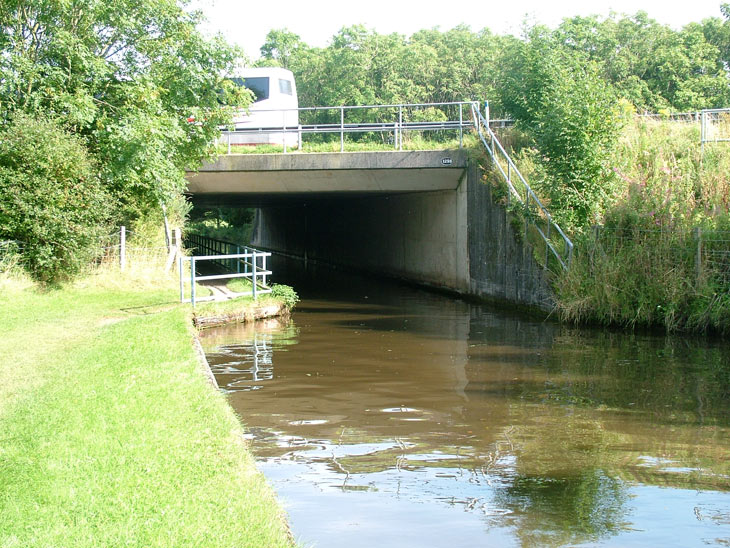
259, 86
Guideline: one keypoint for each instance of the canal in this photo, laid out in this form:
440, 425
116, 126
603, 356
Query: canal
385, 415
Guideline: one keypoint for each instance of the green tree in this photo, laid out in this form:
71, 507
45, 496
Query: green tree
127, 75
279, 48
652, 65
571, 113
52, 198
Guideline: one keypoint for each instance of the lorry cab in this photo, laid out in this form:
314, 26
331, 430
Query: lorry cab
274, 108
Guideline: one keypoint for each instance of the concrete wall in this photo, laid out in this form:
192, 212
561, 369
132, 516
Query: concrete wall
414, 236
501, 267
453, 239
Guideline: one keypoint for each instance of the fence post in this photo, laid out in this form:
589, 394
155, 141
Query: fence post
180, 275
253, 275
527, 218
168, 236
285, 135
192, 281
698, 253
461, 125
228, 134
342, 129
122, 248
400, 127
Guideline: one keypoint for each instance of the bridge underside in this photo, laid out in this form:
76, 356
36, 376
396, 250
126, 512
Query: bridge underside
421, 216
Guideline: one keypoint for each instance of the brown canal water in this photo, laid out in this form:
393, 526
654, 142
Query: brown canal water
390, 416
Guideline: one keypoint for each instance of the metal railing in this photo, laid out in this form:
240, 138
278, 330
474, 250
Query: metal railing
714, 126
396, 120
537, 217
399, 119
241, 261
681, 117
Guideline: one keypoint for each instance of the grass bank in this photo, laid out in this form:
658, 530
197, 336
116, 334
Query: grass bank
661, 255
658, 253
110, 434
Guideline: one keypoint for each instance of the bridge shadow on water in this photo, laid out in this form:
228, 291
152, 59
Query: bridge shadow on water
404, 411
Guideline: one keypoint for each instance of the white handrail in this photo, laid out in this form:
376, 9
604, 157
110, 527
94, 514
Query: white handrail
497, 152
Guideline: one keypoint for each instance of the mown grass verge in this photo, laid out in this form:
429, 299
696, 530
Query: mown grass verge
111, 436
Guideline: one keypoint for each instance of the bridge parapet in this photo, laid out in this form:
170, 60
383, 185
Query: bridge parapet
367, 173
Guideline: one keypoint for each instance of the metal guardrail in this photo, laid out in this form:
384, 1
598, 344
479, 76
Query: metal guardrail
721, 116
393, 119
247, 262
460, 116
536, 215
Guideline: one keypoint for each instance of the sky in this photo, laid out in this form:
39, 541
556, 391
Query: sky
246, 23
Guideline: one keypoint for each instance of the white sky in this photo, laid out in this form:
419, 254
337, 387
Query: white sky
246, 22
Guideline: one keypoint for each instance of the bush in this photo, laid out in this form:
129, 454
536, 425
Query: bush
572, 115
286, 293
51, 199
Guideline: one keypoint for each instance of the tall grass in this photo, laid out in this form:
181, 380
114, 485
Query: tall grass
13, 276
662, 255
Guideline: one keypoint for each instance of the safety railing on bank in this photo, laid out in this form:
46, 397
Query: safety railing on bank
234, 260
539, 224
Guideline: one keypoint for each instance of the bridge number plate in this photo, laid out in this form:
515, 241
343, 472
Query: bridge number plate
446, 161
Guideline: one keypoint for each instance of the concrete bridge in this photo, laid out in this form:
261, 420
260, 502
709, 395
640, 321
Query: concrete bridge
422, 216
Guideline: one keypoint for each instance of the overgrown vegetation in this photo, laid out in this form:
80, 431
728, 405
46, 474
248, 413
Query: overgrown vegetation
662, 254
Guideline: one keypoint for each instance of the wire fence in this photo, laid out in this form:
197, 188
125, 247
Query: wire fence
10, 254
117, 249
682, 117
700, 255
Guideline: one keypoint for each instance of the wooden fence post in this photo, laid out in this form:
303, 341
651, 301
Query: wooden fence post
122, 248
698, 253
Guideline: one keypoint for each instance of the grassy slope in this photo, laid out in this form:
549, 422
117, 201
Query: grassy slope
641, 272
109, 434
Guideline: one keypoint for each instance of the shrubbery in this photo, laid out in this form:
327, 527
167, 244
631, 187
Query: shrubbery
572, 116
660, 257
286, 293
51, 198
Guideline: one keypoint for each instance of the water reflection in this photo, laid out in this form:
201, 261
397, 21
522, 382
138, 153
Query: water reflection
407, 419
242, 355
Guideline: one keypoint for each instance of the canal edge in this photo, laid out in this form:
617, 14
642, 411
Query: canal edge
203, 361
208, 373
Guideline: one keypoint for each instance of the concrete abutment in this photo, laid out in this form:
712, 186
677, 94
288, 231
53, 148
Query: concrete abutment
454, 239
